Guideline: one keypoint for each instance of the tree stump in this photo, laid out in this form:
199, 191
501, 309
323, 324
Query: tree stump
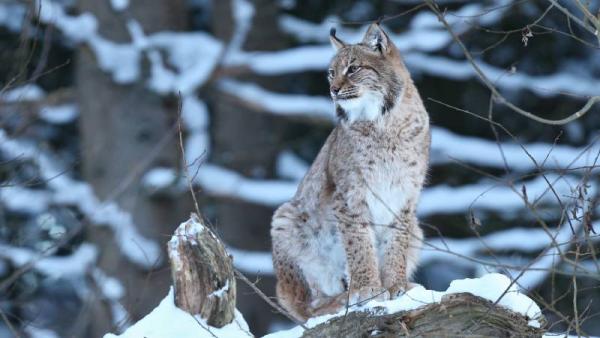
202, 273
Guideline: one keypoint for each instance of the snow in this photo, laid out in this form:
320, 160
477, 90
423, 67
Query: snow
486, 195
194, 114
219, 293
112, 290
446, 146
187, 231
426, 33
119, 5
281, 104
61, 114
75, 264
30, 201
38, 332
491, 196
252, 262
12, 15
193, 54
497, 288
120, 60
159, 178
290, 166
316, 58
167, 321
220, 181
493, 287
28, 92
110, 287
543, 85
242, 12
193, 63
68, 191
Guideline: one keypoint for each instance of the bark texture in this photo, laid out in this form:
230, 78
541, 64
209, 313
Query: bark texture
457, 315
202, 273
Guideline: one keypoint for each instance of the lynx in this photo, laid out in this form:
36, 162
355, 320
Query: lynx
350, 233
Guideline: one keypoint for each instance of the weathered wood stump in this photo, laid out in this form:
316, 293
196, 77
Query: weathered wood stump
202, 273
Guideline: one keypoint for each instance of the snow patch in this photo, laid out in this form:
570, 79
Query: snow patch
61, 114
187, 231
68, 191
167, 321
119, 5
28, 92
159, 178
219, 293
494, 287
75, 264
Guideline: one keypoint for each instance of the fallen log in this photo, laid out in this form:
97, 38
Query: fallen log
457, 315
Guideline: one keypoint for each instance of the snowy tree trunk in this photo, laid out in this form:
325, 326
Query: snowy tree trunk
202, 273
457, 315
121, 126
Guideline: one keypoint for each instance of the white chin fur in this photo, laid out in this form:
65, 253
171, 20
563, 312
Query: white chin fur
366, 107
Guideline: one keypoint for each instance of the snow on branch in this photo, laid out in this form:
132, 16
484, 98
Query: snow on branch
425, 32
486, 195
289, 105
76, 264
12, 15
446, 146
316, 58
192, 54
68, 191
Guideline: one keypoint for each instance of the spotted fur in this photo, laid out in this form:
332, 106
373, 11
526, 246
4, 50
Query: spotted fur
351, 232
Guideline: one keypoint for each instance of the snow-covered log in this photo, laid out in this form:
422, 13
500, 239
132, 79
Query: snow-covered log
457, 315
202, 273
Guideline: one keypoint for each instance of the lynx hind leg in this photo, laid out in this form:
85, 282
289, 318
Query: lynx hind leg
293, 292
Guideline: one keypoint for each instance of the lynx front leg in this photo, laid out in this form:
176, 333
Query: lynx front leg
364, 282
399, 252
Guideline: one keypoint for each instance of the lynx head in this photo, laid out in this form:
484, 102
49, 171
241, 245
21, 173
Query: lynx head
366, 79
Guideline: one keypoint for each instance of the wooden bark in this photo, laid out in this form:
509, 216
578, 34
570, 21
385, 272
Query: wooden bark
202, 273
457, 315
120, 128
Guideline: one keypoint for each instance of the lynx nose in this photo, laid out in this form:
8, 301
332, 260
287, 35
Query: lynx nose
334, 90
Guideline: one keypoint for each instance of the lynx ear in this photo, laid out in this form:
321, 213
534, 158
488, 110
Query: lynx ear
335, 42
377, 39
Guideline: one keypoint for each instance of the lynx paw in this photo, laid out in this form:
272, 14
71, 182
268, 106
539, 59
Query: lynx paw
369, 293
398, 290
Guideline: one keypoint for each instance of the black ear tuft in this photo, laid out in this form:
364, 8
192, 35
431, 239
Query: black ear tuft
335, 42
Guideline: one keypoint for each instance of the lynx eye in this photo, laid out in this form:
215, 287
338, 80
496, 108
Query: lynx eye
353, 69
330, 72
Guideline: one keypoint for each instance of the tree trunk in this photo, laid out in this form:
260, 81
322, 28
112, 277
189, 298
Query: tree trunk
121, 125
248, 142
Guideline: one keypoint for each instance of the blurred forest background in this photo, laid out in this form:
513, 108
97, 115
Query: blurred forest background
111, 110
